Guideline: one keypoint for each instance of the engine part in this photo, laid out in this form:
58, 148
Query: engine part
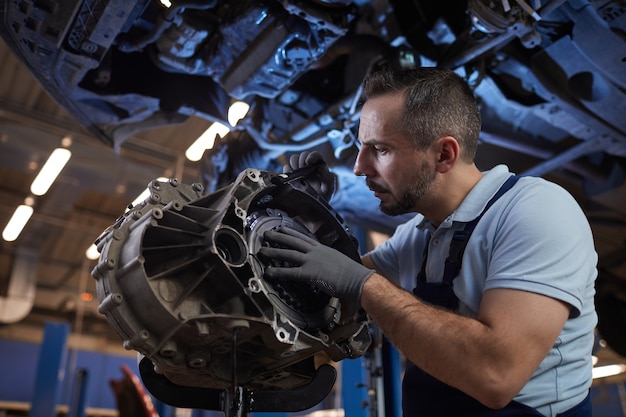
259, 48
178, 275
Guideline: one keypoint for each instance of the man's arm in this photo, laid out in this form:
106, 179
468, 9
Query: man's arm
369, 263
489, 358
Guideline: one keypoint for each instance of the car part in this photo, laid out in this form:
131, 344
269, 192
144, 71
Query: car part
179, 280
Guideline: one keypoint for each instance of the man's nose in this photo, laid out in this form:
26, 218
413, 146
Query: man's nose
360, 165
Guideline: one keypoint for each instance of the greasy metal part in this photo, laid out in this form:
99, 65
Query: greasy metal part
544, 152
258, 48
584, 148
165, 20
179, 280
517, 29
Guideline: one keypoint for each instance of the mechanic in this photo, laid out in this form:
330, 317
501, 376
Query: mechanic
501, 324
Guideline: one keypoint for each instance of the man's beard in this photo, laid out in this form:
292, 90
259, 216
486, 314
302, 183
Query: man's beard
417, 186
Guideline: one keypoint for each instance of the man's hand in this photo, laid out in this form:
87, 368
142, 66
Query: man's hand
310, 261
322, 180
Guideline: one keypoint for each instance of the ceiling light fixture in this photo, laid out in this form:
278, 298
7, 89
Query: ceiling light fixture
205, 141
50, 171
237, 111
92, 252
607, 370
17, 222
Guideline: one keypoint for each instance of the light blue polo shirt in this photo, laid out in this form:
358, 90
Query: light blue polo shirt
534, 238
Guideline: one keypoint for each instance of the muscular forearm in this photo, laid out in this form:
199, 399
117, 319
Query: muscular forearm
463, 352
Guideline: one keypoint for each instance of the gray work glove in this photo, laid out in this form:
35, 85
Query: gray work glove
322, 180
311, 261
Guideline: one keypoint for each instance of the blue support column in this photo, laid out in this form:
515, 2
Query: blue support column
204, 413
79, 394
354, 388
50, 369
392, 373
163, 409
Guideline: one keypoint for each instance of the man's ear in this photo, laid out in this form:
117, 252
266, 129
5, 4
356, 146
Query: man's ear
448, 153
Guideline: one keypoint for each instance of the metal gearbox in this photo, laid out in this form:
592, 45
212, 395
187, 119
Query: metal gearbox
179, 280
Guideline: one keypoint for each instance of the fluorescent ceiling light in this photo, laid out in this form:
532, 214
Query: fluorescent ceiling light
237, 111
50, 170
205, 141
608, 370
92, 252
17, 222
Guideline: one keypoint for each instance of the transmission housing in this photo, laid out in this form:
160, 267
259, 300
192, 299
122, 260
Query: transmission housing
180, 281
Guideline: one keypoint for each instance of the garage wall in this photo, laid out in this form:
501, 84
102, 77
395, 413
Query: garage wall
18, 362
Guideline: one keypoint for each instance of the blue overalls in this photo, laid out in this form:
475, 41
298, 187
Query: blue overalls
425, 396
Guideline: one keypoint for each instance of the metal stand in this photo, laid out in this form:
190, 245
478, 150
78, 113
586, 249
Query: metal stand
238, 401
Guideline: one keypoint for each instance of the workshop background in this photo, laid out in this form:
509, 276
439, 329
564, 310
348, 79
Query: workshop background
129, 92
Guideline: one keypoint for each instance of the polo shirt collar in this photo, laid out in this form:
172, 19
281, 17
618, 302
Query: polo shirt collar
479, 196
476, 199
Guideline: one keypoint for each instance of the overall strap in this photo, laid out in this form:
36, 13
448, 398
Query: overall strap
461, 237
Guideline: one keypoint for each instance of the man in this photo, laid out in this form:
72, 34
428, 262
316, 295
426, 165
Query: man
505, 327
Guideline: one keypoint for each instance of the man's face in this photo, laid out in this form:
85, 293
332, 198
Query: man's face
399, 174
